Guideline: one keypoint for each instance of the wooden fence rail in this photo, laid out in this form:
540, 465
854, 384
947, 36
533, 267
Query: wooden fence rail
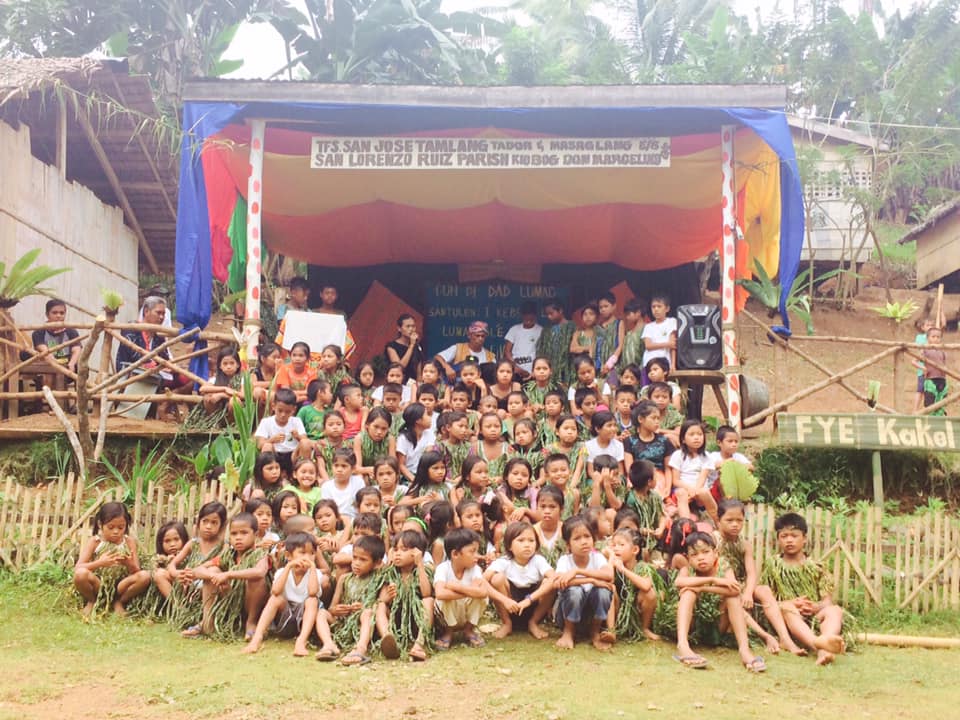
913, 562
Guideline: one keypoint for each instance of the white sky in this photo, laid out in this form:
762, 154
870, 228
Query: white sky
262, 47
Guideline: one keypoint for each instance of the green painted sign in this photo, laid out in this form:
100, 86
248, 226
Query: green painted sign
865, 431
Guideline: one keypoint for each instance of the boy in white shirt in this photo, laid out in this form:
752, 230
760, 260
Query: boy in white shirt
283, 433
460, 590
520, 342
660, 336
294, 608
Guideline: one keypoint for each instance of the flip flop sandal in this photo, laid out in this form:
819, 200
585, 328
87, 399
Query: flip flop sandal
475, 640
326, 655
442, 644
757, 665
193, 632
697, 662
355, 658
388, 646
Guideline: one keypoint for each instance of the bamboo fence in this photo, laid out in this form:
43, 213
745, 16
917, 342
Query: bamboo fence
913, 562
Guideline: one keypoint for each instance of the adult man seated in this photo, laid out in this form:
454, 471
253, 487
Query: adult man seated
50, 341
453, 358
152, 312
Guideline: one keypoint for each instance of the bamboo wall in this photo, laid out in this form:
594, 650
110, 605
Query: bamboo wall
72, 227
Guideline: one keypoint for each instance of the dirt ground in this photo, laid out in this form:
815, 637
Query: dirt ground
859, 321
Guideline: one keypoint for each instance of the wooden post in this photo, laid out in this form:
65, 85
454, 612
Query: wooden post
251, 315
877, 479
61, 161
898, 395
728, 269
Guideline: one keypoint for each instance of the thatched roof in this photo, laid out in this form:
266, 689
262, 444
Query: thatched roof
933, 217
120, 111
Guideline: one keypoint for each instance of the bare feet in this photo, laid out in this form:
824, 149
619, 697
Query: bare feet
299, 650
600, 644
88, 609
792, 647
538, 632
119, 609
417, 653
253, 646
651, 635
824, 657
772, 644
607, 636
504, 630
831, 643
565, 642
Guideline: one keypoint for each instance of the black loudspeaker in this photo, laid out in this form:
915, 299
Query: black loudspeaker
699, 337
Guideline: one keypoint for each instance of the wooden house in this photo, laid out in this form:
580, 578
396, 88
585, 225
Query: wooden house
938, 245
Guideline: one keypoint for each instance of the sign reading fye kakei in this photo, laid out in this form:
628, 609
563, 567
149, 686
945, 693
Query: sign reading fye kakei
420, 153
869, 431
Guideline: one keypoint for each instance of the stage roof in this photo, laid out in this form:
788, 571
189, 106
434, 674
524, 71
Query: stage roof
639, 217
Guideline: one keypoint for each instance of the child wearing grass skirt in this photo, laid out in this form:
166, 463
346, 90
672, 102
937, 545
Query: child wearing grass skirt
637, 590
403, 612
178, 582
352, 595
234, 584
171, 537
108, 573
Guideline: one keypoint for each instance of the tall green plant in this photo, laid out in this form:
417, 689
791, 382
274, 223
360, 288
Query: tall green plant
235, 449
147, 469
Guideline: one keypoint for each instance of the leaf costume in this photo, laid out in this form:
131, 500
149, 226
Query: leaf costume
533, 455
650, 509
406, 613
705, 627
371, 450
227, 610
633, 347
554, 344
495, 464
453, 454
355, 589
336, 379
551, 554
111, 576
629, 623
184, 606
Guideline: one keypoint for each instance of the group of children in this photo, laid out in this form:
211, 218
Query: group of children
392, 518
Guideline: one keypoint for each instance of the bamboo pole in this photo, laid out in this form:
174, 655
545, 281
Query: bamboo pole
68, 428
844, 340
168, 364
146, 357
34, 356
112, 397
773, 409
147, 327
933, 643
779, 342
101, 427
83, 393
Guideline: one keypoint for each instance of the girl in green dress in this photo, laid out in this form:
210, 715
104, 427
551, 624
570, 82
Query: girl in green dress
550, 508
490, 446
542, 382
554, 343
179, 583
333, 426
526, 445
333, 369
373, 442
108, 573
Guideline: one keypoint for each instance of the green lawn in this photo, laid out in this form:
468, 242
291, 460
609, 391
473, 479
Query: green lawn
55, 666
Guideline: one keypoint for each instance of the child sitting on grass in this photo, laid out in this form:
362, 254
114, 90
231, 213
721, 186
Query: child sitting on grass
234, 585
709, 605
108, 573
352, 596
293, 609
180, 586
636, 590
462, 593
403, 614
584, 583
525, 578
803, 589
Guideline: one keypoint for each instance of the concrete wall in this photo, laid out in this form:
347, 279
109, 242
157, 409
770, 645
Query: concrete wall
830, 213
73, 229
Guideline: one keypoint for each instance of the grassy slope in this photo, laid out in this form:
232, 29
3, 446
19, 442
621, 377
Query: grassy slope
53, 665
